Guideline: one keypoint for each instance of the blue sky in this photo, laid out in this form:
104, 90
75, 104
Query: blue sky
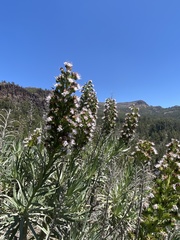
129, 48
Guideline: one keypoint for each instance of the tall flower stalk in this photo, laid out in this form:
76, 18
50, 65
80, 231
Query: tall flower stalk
130, 125
62, 118
110, 115
71, 120
88, 106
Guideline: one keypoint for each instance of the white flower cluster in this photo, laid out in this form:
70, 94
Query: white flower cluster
171, 160
130, 125
145, 149
166, 190
34, 139
68, 66
48, 98
88, 105
110, 115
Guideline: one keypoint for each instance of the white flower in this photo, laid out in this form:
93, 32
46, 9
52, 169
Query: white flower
70, 135
148, 188
85, 118
164, 177
65, 143
49, 119
75, 88
79, 87
154, 150
151, 195
155, 206
39, 140
91, 135
59, 129
77, 76
70, 80
48, 98
157, 165
76, 105
178, 164
37, 130
89, 139
68, 64
74, 131
164, 234
92, 130
65, 93
72, 142
72, 111
85, 131
94, 125
56, 85
78, 120
145, 205
174, 208
174, 155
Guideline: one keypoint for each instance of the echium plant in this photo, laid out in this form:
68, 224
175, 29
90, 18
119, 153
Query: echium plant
144, 150
88, 98
163, 213
130, 125
34, 139
110, 115
143, 157
70, 120
88, 106
62, 118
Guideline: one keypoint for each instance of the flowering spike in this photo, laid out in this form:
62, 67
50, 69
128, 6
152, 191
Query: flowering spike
88, 98
34, 139
144, 150
62, 115
71, 120
130, 125
88, 114
110, 115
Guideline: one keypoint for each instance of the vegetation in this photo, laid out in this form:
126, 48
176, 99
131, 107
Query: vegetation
84, 174
27, 105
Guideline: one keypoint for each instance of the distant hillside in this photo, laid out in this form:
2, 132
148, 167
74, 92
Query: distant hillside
28, 107
156, 124
12, 95
138, 103
16, 93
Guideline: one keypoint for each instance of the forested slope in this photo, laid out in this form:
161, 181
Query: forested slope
28, 107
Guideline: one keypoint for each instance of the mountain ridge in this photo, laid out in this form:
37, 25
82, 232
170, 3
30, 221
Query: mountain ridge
14, 91
28, 109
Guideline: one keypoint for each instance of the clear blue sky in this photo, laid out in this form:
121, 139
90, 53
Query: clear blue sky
129, 48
